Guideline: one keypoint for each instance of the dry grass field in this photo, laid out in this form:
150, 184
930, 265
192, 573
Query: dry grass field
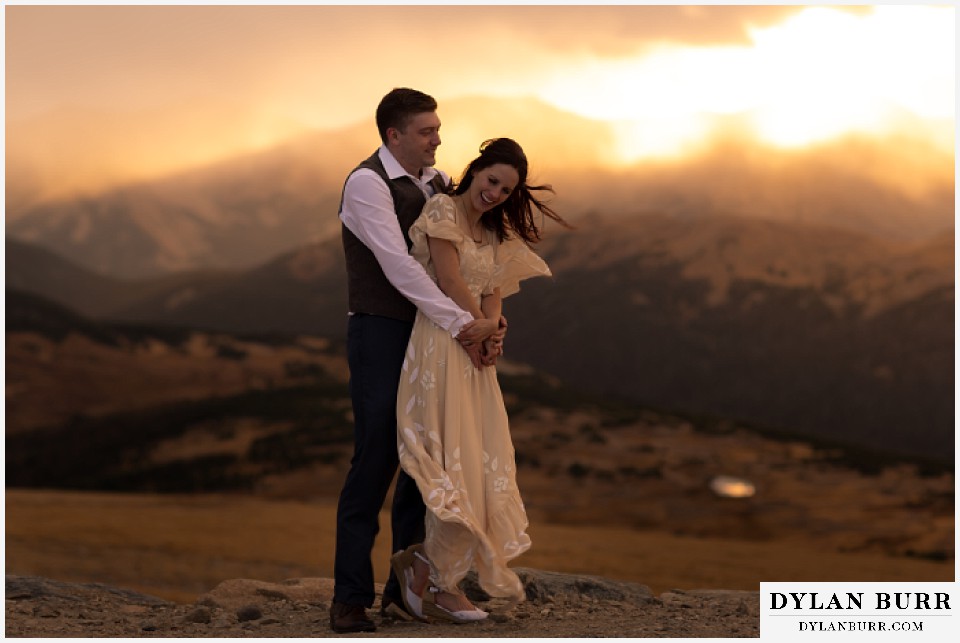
617, 492
178, 547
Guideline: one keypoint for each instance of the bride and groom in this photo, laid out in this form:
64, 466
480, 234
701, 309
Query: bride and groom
428, 263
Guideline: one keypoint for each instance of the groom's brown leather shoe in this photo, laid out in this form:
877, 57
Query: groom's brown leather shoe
350, 618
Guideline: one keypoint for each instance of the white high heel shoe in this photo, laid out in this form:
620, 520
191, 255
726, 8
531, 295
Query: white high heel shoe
430, 608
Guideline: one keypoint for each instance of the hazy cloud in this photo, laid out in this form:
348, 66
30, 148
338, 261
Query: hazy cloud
96, 94
142, 55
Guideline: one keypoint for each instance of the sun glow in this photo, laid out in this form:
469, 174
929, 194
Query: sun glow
99, 96
823, 73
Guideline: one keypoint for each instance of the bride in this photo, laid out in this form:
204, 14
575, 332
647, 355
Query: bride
453, 432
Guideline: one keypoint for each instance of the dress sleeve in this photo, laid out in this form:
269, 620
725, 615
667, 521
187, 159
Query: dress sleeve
438, 220
515, 262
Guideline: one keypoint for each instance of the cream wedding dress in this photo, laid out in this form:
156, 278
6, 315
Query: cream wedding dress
453, 434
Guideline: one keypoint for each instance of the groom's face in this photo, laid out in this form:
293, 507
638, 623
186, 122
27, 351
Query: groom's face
415, 146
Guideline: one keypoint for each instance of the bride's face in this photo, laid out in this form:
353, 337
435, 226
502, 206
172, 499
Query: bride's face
492, 186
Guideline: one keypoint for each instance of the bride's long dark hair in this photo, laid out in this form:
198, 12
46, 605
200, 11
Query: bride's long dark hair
516, 212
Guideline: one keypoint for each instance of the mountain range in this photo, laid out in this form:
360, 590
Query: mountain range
228, 215
242, 211
798, 327
809, 290
816, 330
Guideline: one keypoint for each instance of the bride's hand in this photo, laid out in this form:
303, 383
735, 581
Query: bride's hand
492, 350
477, 331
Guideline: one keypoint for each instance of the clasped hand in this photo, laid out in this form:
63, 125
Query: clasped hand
482, 339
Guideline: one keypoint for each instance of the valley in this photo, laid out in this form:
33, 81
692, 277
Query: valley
168, 460
809, 329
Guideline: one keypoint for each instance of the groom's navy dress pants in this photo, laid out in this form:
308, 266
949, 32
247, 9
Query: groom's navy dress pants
375, 351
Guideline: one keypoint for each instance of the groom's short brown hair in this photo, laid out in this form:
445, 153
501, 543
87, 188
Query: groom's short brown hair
399, 106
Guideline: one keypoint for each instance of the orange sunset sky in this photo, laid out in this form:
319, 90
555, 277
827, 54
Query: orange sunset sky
99, 95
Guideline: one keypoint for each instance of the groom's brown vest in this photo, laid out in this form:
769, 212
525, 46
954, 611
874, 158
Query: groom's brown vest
368, 290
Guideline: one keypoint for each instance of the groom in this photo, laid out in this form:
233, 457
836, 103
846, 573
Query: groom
382, 197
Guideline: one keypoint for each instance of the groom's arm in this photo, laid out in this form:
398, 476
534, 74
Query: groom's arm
368, 213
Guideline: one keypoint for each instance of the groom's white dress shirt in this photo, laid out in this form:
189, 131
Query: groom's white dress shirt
368, 213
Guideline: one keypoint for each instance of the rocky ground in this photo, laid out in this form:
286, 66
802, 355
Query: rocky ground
557, 606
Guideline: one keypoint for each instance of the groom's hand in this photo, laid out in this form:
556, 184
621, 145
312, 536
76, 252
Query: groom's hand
475, 331
474, 351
